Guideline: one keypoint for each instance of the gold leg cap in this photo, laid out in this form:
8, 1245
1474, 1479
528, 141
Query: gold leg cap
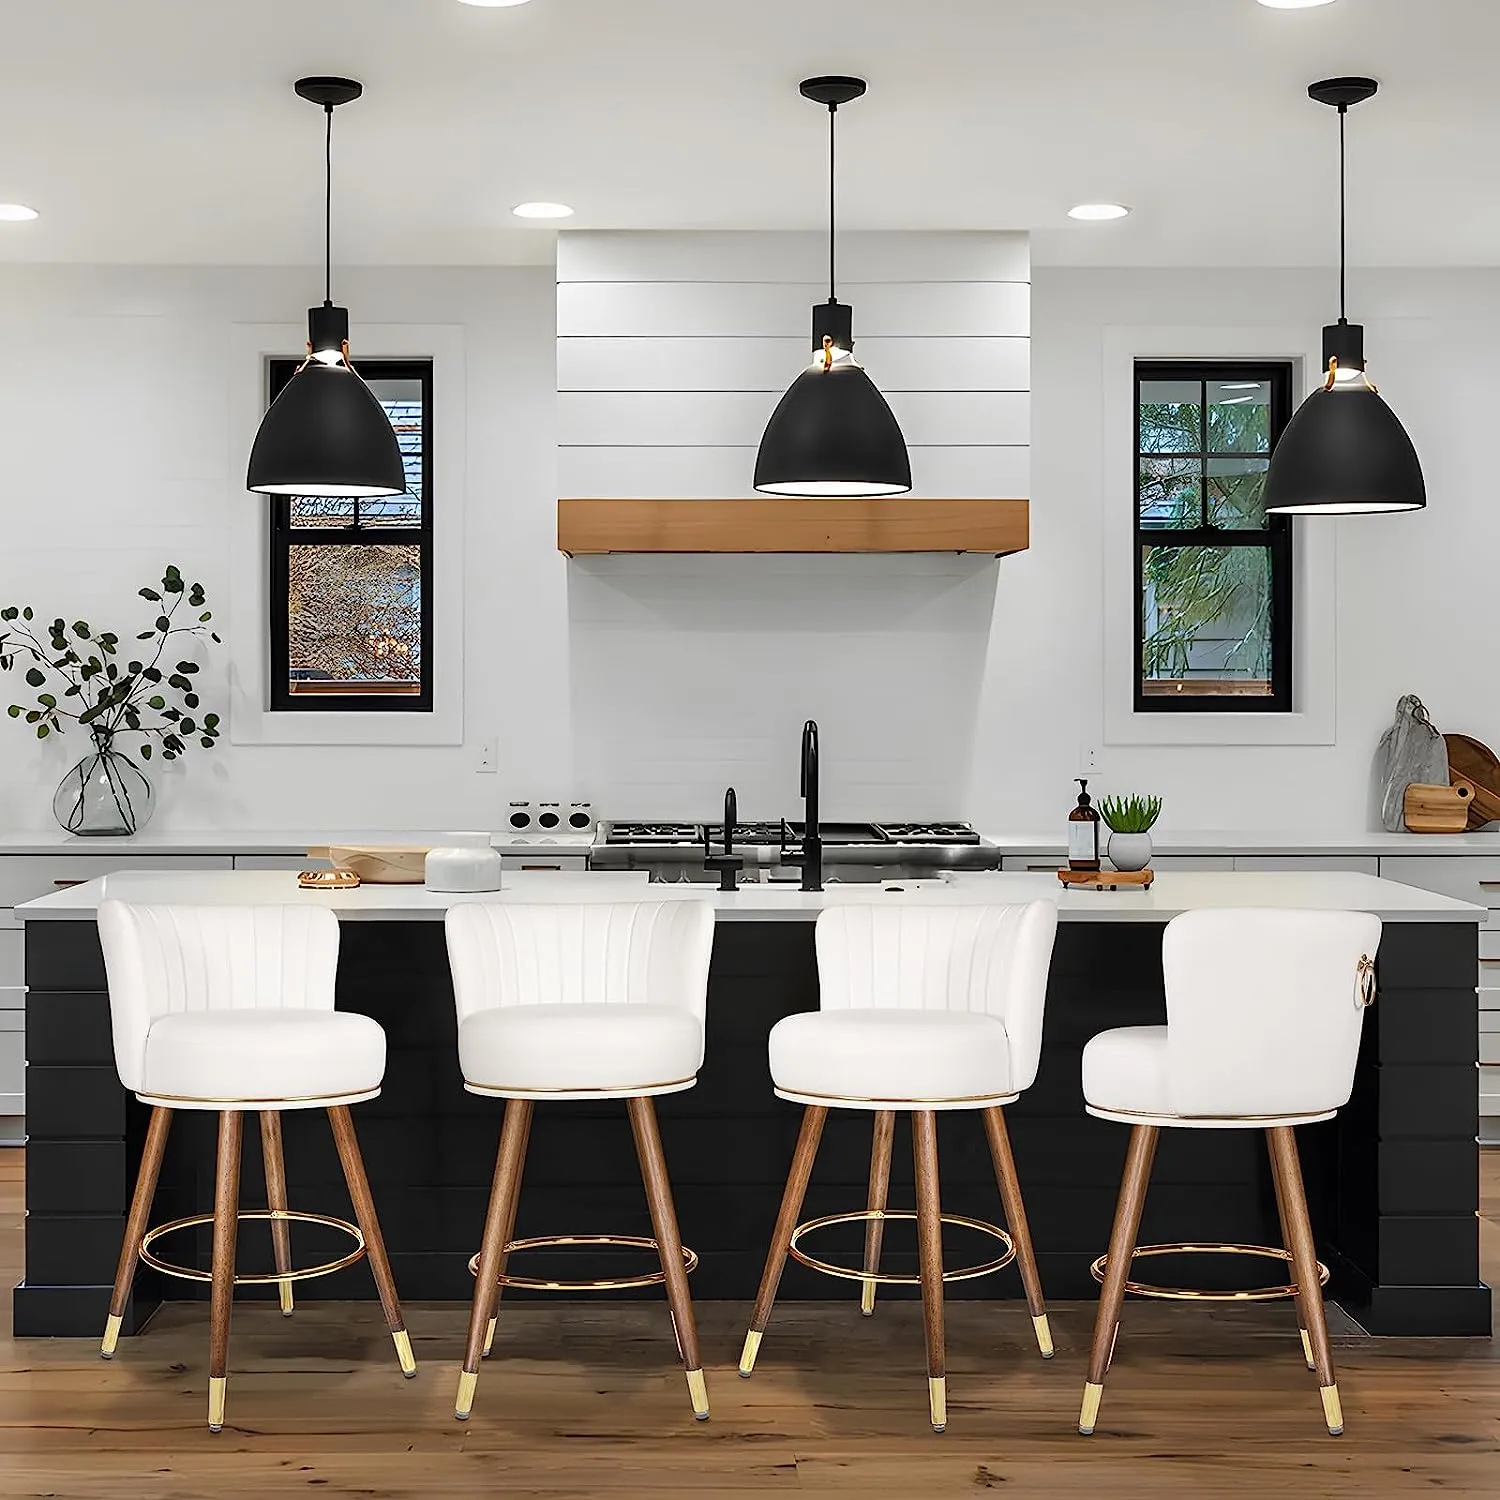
402, 1340
216, 1384
748, 1353
867, 1298
1307, 1353
699, 1393
1043, 1336
1089, 1413
489, 1337
286, 1298
465, 1402
937, 1401
111, 1337
1333, 1410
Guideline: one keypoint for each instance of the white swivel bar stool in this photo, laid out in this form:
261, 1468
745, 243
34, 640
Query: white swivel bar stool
921, 1010
1264, 1012
230, 1009
580, 1002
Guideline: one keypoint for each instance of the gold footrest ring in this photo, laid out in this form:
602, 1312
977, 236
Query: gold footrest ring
896, 1278
1195, 1294
605, 1284
268, 1278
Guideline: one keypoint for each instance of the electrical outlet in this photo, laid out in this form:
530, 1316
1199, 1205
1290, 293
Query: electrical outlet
487, 758
1089, 761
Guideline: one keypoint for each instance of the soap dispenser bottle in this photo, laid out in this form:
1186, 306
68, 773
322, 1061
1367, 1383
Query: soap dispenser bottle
1083, 831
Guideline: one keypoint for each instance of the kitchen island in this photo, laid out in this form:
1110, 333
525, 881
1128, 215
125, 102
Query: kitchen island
1392, 1182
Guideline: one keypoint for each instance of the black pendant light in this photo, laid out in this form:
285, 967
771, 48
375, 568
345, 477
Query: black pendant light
1344, 452
832, 434
326, 434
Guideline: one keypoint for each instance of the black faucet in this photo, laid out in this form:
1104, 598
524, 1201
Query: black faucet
728, 864
812, 829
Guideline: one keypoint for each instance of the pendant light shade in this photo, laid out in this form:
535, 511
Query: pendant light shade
326, 433
833, 434
1344, 452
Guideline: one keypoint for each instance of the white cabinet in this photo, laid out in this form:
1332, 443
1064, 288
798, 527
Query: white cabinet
1361, 864
1159, 864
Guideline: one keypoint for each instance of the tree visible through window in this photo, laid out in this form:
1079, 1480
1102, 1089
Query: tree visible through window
351, 610
1213, 571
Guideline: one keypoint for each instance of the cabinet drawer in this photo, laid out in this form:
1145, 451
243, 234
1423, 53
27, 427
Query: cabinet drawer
1293, 863
279, 862
12, 1062
1489, 948
12, 962
1159, 863
1489, 1020
1489, 1046
24, 877
1464, 877
12, 998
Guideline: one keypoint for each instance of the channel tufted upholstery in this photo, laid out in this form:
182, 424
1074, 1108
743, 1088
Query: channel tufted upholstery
929, 1006
224, 1005
582, 999
1262, 1022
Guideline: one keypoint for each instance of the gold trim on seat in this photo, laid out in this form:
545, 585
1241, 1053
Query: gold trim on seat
1193, 1294
894, 1278
610, 1284
270, 1278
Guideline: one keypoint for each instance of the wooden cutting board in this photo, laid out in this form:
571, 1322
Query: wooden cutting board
1473, 761
1438, 809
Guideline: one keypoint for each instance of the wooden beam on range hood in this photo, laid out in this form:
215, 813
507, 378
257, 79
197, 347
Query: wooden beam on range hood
769, 524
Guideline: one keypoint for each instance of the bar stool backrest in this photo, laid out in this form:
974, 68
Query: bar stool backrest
597, 953
1264, 1009
989, 959
164, 959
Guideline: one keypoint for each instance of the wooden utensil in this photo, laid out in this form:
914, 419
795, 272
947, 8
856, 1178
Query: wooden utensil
1473, 761
378, 865
1438, 809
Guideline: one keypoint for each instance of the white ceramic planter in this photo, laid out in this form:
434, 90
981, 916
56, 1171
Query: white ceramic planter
467, 862
1129, 851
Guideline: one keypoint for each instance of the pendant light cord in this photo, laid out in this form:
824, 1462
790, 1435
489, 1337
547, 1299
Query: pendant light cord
833, 110
1343, 222
328, 207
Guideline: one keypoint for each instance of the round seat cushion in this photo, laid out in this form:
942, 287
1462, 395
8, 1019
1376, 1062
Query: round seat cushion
1125, 1070
580, 1049
262, 1056
896, 1056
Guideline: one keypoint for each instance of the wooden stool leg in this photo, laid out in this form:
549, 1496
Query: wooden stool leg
880, 1183
499, 1221
813, 1118
281, 1230
135, 1225
1305, 1269
669, 1245
1009, 1183
1286, 1241
930, 1260
1117, 1268
489, 1330
221, 1293
369, 1223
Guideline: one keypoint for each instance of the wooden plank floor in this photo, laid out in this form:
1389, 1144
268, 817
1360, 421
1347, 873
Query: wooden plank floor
585, 1402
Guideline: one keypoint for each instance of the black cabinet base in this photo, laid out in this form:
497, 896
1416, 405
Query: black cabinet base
72, 1312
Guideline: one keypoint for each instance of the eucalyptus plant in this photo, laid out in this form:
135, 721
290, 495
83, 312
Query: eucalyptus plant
80, 678
1130, 814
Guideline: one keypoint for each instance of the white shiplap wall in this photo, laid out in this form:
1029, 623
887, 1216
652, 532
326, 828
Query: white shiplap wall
691, 673
673, 350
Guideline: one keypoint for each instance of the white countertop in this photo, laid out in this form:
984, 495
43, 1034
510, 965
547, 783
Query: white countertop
1172, 893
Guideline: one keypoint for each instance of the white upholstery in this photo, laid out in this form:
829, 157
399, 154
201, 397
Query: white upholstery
920, 1006
582, 1000
1263, 1022
221, 1005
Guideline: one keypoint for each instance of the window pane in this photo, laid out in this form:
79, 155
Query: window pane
1171, 416
1206, 621
322, 511
354, 620
1239, 416
402, 400
1170, 491
1236, 493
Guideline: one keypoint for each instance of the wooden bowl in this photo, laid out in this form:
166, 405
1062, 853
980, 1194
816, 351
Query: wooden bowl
376, 864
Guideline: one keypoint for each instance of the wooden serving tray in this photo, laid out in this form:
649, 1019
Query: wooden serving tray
1107, 880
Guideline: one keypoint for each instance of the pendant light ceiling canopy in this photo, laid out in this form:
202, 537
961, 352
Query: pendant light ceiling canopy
1344, 452
326, 434
832, 434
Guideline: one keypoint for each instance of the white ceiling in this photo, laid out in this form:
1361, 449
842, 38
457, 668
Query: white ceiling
167, 130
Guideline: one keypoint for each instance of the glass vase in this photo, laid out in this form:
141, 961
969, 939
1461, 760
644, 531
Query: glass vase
105, 795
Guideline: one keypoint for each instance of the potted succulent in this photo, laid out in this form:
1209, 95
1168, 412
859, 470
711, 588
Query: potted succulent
80, 679
1130, 820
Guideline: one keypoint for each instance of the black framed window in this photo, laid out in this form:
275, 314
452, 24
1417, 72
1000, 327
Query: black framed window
350, 579
1213, 572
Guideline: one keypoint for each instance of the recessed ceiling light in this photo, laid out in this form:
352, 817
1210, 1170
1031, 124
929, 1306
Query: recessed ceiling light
1294, 4
16, 213
1097, 211
541, 210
